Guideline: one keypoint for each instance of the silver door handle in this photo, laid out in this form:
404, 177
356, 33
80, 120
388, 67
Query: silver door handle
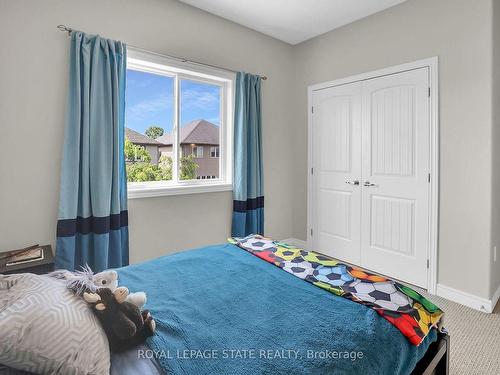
369, 184
355, 182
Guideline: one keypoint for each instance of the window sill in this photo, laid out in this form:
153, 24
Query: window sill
150, 190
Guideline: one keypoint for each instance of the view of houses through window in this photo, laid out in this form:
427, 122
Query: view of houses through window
149, 128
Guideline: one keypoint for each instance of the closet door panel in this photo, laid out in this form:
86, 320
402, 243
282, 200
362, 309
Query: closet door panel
336, 132
395, 197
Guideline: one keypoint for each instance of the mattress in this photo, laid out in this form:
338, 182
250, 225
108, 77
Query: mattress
131, 363
126, 363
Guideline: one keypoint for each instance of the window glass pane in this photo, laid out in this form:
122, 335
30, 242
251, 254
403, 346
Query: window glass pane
148, 126
199, 129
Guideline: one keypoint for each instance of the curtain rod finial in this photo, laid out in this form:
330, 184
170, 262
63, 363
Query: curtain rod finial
64, 28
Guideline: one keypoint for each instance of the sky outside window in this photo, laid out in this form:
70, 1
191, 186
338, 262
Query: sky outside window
199, 101
150, 101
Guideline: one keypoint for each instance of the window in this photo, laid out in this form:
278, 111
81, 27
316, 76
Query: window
198, 152
172, 108
214, 151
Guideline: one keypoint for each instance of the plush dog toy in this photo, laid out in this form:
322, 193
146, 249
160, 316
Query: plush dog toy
86, 281
125, 325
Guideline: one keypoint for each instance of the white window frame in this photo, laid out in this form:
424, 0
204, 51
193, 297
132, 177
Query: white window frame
215, 150
155, 63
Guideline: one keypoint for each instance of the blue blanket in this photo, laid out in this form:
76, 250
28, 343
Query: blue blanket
222, 310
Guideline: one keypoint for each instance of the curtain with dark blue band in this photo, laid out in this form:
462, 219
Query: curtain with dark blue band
248, 193
92, 225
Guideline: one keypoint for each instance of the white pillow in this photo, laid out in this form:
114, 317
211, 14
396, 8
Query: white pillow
45, 328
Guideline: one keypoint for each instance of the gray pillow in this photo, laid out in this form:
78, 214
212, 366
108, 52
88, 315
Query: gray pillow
46, 329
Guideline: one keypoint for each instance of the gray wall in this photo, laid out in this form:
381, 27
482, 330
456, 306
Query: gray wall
495, 221
459, 32
34, 70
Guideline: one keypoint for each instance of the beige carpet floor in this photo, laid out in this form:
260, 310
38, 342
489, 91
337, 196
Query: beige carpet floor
475, 338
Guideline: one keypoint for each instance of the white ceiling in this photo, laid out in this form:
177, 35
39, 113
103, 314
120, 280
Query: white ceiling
293, 21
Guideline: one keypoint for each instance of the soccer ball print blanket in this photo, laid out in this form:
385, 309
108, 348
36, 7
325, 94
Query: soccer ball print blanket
406, 309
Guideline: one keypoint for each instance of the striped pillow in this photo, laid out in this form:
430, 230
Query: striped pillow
45, 328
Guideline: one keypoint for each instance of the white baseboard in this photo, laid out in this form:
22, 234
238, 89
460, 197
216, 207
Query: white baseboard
467, 299
295, 242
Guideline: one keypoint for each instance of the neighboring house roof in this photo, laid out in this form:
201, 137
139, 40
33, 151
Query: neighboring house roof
196, 132
140, 139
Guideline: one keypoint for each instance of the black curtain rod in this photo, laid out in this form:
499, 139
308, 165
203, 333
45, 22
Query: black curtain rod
69, 30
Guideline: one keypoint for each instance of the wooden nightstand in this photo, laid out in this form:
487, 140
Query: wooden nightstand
38, 267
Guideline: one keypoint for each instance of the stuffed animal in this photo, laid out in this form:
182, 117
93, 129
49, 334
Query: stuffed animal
109, 279
86, 281
125, 325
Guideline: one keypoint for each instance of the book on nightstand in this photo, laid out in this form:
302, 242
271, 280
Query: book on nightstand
34, 259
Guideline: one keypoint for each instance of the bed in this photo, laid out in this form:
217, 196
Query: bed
222, 310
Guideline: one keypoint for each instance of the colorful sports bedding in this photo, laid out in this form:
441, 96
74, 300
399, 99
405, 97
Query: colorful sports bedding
406, 309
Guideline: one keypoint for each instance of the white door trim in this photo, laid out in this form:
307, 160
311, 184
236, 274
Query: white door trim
432, 65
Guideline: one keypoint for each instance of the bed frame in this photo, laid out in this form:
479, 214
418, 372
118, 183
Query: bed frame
437, 358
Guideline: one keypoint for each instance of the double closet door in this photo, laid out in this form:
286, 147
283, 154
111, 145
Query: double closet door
370, 174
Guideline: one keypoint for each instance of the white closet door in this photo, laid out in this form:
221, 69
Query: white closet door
395, 200
336, 154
